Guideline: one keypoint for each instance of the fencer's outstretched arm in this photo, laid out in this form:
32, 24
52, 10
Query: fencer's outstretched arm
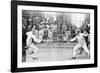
73, 39
36, 39
30, 35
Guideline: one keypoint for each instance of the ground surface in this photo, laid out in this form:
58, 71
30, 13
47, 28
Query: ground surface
55, 52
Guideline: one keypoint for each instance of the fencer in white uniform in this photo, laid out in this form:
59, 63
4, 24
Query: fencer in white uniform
32, 48
81, 43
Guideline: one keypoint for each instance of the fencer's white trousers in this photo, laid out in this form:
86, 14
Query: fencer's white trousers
31, 51
79, 46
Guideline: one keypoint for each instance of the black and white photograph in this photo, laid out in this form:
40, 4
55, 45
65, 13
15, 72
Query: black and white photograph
54, 36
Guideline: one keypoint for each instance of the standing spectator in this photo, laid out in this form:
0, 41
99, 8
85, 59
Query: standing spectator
87, 30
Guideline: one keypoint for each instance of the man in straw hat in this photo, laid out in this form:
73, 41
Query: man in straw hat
81, 43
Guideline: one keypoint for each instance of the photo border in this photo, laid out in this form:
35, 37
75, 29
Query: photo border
14, 40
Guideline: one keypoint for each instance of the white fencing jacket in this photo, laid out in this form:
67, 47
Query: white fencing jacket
80, 38
31, 36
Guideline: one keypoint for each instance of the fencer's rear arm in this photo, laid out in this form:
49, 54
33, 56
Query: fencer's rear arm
73, 39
